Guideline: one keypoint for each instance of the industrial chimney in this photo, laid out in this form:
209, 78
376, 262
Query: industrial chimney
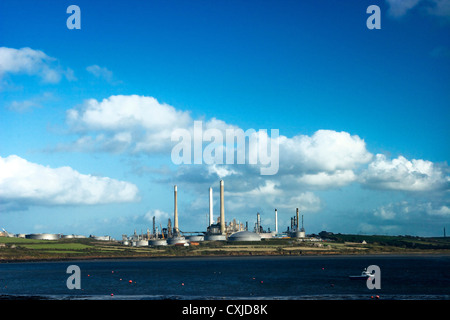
222, 210
211, 219
175, 213
276, 221
297, 221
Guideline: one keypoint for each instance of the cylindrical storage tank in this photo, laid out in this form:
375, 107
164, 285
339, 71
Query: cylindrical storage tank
157, 242
102, 238
42, 236
215, 237
126, 243
142, 243
244, 236
67, 236
266, 235
176, 240
300, 234
196, 238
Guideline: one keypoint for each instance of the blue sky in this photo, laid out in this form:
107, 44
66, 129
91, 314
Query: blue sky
363, 114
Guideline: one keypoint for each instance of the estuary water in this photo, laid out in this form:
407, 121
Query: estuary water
424, 277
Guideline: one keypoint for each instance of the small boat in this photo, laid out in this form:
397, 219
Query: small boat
364, 275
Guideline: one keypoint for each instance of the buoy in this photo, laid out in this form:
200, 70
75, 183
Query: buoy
371, 297
182, 283
130, 281
377, 296
261, 281
112, 294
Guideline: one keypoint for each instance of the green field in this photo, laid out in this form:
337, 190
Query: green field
18, 249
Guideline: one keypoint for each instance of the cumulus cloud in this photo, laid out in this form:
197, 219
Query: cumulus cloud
32, 62
101, 73
392, 210
398, 8
147, 218
443, 211
22, 181
137, 123
326, 179
440, 8
405, 175
29, 104
142, 124
326, 159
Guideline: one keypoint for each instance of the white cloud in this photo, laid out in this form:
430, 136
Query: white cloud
325, 179
142, 124
120, 112
439, 8
32, 62
29, 104
34, 184
138, 122
22, 106
393, 210
325, 150
305, 201
221, 171
160, 215
443, 210
405, 175
398, 8
101, 72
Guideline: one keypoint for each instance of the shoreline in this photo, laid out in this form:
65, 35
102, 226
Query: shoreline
228, 256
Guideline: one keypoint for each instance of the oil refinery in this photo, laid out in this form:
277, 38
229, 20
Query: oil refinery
218, 230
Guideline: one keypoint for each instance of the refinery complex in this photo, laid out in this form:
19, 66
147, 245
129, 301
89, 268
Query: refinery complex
217, 230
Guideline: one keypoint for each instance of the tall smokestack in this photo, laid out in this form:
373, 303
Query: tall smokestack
258, 222
297, 220
175, 212
154, 227
222, 209
276, 221
211, 219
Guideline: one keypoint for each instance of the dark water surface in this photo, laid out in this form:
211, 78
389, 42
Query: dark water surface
285, 278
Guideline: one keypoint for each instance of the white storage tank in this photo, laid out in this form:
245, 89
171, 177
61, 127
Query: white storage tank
215, 237
142, 243
43, 236
157, 242
244, 236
